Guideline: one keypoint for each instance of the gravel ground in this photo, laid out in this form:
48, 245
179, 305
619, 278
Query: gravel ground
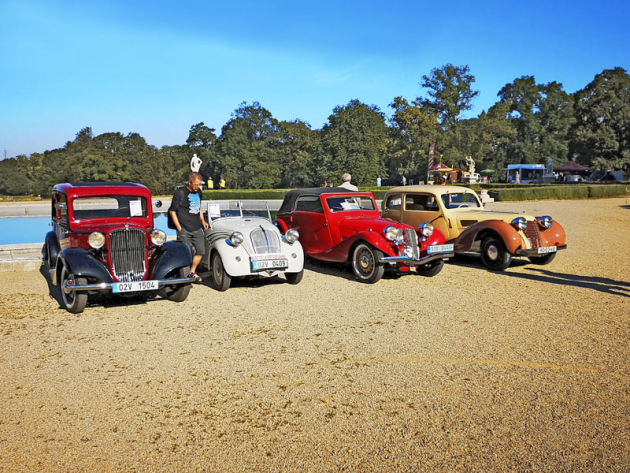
525, 370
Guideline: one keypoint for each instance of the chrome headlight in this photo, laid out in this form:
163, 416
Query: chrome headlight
391, 233
545, 221
96, 240
158, 237
427, 229
520, 223
292, 236
236, 239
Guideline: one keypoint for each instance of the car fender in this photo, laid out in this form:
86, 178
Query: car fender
282, 226
342, 251
512, 238
229, 256
80, 262
436, 238
173, 255
552, 236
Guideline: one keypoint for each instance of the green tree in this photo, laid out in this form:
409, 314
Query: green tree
201, 136
601, 134
413, 130
354, 140
449, 94
297, 145
541, 116
247, 154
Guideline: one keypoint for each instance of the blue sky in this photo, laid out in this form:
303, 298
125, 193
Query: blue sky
158, 67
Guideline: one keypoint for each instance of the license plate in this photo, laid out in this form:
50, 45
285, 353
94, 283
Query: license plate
270, 264
440, 249
134, 286
547, 249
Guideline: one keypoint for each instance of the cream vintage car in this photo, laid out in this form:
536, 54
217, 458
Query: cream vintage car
459, 214
242, 241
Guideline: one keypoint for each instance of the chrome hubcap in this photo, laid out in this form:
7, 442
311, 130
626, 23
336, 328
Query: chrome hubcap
493, 252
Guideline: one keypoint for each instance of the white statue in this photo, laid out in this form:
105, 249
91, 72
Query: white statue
471, 165
549, 165
195, 163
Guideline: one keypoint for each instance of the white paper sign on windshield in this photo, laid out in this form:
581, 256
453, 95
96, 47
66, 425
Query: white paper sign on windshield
214, 210
135, 208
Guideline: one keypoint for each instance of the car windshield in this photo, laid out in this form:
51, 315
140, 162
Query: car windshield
345, 203
224, 209
460, 200
124, 206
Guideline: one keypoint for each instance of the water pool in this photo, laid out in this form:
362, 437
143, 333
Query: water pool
18, 230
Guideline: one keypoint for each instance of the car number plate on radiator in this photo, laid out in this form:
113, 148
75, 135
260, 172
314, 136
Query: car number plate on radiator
269, 261
135, 286
440, 249
547, 249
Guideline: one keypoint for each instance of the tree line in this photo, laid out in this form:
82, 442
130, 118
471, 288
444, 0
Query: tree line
529, 123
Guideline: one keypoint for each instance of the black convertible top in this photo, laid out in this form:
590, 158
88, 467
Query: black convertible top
288, 204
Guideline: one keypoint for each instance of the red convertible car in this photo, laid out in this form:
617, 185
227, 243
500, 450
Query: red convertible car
338, 225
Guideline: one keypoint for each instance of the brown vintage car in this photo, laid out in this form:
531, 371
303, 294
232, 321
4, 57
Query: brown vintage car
460, 215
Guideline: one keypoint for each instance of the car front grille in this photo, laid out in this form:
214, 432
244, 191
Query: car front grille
412, 241
265, 241
531, 232
127, 252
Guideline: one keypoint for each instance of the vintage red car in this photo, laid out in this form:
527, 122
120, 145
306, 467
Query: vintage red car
104, 241
338, 225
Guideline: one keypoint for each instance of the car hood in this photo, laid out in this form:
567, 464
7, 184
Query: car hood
241, 224
470, 216
352, 224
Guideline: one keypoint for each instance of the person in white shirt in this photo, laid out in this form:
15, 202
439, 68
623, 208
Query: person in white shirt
346, 183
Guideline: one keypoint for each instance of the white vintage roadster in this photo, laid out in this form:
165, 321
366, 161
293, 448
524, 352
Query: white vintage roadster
243, 241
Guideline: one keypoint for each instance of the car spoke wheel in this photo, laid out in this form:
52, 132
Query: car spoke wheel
221, 280
177, 292
494, 254
294, 278
365, 264
542, 260
430, 269
73, 302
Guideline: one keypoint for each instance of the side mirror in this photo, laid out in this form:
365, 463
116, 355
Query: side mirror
158, 204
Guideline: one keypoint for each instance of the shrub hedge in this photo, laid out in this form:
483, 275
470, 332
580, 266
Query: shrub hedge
558, 192
515, 192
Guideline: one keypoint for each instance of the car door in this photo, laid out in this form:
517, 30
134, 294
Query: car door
60, 219
310, 221
392, 207
421, 207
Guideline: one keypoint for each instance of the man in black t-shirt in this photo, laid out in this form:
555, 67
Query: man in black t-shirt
188, 218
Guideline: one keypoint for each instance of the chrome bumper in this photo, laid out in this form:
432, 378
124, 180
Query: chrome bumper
534, 251
415, 261
108, 286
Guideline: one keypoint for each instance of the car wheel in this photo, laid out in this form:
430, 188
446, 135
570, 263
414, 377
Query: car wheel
221, 280
294, 278
73, 302
178, 292
365, 264
541, 260
430, 269
494, 254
